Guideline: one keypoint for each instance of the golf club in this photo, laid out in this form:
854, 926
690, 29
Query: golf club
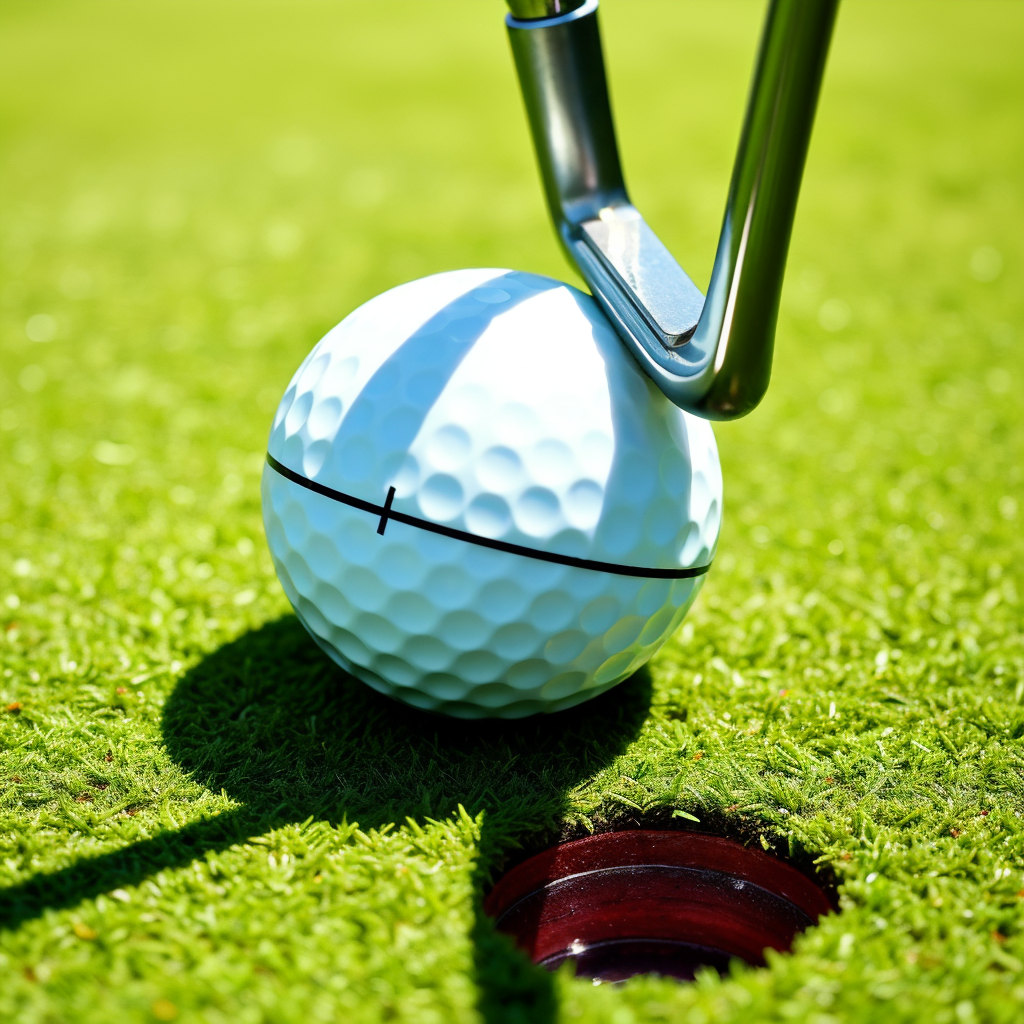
711, 356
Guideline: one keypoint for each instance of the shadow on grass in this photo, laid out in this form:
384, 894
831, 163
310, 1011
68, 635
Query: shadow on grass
273, 723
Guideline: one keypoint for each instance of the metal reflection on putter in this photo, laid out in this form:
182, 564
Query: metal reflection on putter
710, 356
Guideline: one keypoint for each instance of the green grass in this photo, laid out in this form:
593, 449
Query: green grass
203, 820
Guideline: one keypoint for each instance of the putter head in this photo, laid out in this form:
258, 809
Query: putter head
711, 356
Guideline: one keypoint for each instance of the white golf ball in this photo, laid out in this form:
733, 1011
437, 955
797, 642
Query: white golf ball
477, 502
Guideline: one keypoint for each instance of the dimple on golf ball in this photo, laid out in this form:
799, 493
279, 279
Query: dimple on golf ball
478, 504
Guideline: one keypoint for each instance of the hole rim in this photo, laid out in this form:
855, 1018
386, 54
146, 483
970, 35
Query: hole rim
689, 889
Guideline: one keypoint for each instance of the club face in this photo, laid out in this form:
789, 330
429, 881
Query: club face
643, 273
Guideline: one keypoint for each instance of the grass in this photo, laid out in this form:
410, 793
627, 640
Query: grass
202, 820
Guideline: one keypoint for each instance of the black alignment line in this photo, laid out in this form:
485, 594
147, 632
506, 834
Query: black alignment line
385, 512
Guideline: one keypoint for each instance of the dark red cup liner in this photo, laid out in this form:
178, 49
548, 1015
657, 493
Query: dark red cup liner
625, 903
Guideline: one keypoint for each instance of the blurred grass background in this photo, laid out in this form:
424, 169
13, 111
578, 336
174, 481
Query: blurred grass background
191, 194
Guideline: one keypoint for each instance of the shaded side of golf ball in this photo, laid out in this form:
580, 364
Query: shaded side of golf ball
575, 503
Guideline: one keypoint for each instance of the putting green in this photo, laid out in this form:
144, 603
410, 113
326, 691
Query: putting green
202, 820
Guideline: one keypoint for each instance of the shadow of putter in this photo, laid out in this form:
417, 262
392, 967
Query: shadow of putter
289, 736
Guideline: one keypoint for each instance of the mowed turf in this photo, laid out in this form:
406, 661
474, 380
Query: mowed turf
202, 818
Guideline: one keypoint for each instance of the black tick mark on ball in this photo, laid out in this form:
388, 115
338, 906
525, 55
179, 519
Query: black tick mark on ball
382, 525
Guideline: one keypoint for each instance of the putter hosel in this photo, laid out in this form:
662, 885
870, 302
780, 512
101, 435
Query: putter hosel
710, 356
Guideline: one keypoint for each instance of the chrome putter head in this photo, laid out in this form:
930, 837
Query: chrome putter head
711, 356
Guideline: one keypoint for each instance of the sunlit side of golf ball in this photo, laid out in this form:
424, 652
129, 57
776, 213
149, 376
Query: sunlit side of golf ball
503, 405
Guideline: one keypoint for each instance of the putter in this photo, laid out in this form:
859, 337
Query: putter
710, 355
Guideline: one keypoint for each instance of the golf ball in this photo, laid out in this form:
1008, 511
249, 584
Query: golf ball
477, 503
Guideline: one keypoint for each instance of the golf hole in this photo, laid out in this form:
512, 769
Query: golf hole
653, 902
